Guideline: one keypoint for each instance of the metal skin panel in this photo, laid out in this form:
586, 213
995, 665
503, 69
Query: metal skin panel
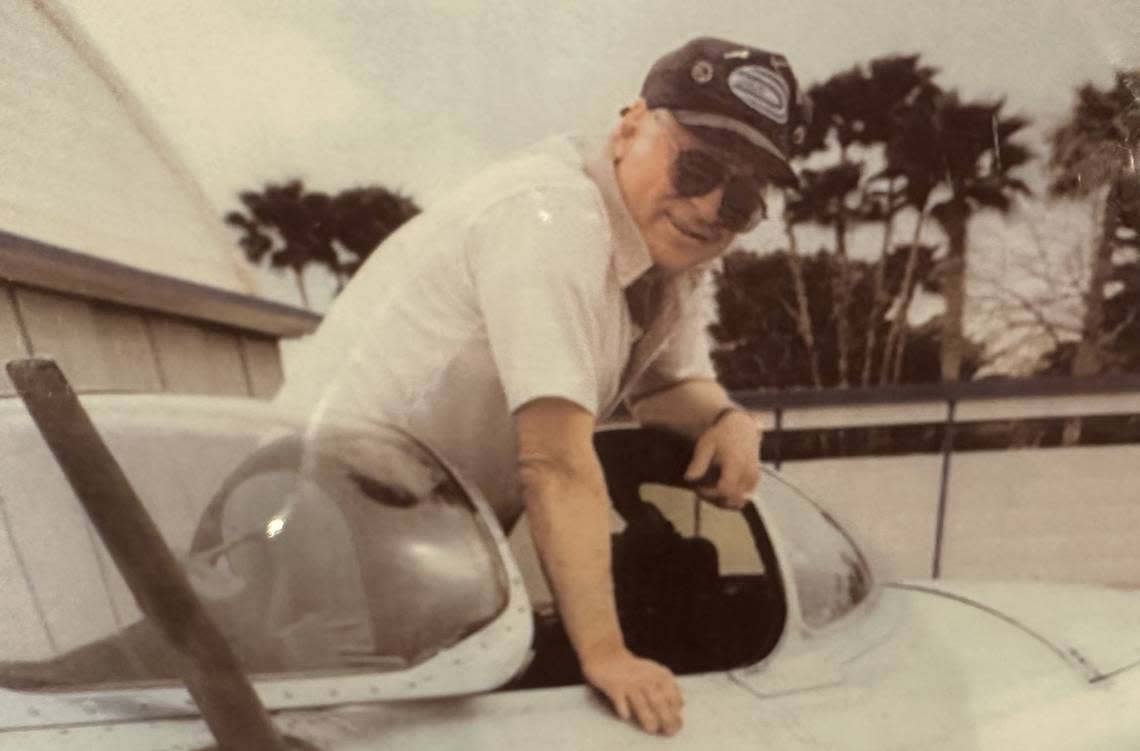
1097, 631
1064, 514
906, 669
1002, 692
54, 547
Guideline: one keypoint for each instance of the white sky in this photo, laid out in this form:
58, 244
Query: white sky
419, 95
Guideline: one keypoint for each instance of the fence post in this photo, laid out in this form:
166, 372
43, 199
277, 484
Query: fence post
943, 487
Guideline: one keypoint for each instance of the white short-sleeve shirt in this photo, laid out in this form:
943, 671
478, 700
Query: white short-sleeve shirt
509, 290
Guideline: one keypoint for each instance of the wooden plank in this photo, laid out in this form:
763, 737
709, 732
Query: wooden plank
101, 347
12, 344
197, 359
262, 366
128, 356
64, 328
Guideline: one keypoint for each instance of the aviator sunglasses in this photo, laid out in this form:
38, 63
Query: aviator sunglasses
696, 172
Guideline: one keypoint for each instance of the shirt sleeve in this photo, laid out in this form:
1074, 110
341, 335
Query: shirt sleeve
540, 262
685, 356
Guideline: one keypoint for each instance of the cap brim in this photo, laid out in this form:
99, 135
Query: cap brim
765, 158
775, 169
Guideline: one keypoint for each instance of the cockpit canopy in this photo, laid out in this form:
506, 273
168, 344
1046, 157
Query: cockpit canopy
348, 552
361, 553
362, 540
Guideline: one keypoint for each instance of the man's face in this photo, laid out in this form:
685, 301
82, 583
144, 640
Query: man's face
682, 231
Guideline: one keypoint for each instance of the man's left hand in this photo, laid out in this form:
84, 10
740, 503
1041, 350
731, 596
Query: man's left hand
732, 443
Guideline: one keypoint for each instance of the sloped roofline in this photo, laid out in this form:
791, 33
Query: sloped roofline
162, 148
37, 264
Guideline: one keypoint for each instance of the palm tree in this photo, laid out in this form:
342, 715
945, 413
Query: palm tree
843, 108
293, 228
856, 107
821, 199
363, 217
892, 82
1094, 155
760, 342
288, 227
966, 148
803, 315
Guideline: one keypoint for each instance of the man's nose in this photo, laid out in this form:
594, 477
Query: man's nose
708, 205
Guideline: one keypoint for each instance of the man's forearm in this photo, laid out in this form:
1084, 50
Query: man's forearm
569, 517
568, 509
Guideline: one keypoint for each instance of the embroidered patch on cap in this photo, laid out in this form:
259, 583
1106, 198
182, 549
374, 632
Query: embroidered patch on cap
702, 71
762, 90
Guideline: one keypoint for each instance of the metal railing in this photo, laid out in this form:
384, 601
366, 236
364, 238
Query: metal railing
950, 406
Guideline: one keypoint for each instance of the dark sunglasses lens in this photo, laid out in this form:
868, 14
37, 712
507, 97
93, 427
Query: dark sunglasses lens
742, 206
695, 173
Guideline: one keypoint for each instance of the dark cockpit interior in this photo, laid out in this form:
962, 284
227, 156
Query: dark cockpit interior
676, 602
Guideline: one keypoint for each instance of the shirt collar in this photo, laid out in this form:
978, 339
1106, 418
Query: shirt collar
631, 256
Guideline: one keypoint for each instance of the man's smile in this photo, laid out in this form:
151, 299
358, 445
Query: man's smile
703, 235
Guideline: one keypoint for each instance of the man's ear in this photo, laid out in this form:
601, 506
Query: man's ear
632, 118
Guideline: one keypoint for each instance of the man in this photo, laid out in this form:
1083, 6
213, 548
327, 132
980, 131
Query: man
500, 326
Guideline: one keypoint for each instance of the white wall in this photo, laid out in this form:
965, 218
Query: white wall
1056, 514
84, 167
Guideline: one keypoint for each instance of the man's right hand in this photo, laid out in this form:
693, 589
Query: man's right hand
638, 688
